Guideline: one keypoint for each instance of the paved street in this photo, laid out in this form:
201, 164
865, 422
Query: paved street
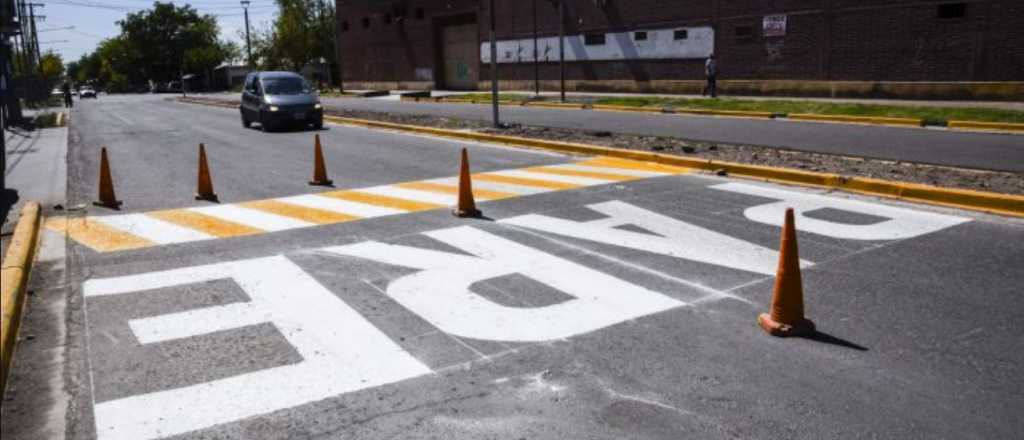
597, 299
970, 150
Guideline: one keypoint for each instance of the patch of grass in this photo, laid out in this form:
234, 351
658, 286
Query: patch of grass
931, 115
45, 120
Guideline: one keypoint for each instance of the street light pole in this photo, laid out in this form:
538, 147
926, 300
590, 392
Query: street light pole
561, 46
536, 55
248, 43
494, 69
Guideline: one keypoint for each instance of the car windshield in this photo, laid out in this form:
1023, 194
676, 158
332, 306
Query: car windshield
285, 86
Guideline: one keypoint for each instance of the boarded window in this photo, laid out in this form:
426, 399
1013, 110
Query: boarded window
952, 10
640, 36
681, 34
344, 26
387, 18
419, 13
366, 22
593, 39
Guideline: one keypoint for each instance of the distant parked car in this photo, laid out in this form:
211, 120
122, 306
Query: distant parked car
87, 92
57, 92
275, 99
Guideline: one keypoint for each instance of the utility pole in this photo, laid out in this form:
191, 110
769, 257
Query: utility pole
536, 55
561, 46
248, 43
494, 70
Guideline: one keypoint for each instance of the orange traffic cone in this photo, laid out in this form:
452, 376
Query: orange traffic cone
319, 168
204, 190
106, 197
467, 206
787, 313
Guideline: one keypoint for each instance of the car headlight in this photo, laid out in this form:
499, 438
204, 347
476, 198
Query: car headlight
317, 106
273, 108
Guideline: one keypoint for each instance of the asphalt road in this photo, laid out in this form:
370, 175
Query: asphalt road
612, 310
960, 149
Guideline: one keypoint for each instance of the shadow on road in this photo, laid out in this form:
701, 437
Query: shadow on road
7, 199
829, 339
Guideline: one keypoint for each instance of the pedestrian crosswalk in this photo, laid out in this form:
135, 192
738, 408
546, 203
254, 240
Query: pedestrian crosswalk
140, 230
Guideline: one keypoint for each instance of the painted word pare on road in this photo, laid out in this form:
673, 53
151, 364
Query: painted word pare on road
343, 352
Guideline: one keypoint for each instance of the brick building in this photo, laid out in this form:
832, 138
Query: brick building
969, 48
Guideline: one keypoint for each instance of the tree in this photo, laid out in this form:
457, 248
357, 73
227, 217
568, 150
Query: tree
301, 34
51, 67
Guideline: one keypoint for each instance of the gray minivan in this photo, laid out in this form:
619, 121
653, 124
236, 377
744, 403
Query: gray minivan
277, 99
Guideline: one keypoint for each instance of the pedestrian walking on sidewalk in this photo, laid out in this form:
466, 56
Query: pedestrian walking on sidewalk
711, 72
66, 88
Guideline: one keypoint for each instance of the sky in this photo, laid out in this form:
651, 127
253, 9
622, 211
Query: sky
95, 20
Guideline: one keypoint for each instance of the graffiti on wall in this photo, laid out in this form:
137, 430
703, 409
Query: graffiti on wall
645, 44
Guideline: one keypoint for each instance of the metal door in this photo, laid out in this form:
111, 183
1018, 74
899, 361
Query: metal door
461, 55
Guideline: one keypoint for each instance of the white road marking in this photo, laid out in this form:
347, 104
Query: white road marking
584, 181
342, 206
412, 194
152, 229
251, 217
342, 352
677, 238
440, 292
901, 223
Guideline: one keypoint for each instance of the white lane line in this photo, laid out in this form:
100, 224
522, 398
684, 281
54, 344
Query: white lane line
495, 186
412, 194
251, 217
152, 229
585, 181
341, 206
609, 170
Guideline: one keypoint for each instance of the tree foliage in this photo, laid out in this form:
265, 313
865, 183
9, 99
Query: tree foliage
301, 34
157, 44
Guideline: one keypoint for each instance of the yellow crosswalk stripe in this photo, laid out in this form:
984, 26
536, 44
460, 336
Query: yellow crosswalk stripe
204, 223
579, 173
611, 162
311, 215
525, 182
96, 235
448, 189
379, 200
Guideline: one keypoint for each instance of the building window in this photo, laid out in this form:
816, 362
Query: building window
387, 18
366, 22
593, 39
640, 36
681, 34
344, 26
419, 13
952, 10
744, 32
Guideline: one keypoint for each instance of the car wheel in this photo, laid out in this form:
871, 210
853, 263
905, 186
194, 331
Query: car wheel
245, 122
263, 124
318, 124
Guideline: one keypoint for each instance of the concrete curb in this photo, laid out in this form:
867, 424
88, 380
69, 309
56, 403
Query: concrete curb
986, 126
900, 122
14, 277
995, 203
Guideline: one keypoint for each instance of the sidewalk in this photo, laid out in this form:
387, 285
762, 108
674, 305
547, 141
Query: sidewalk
900, 102
36, 170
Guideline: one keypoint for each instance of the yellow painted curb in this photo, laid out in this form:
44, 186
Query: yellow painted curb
60, 119
1003, 204
14, 275
627, 108
555, 105
902, 122
986, 126
734, 113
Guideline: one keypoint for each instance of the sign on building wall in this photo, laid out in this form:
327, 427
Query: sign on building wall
641, 44
775, 25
